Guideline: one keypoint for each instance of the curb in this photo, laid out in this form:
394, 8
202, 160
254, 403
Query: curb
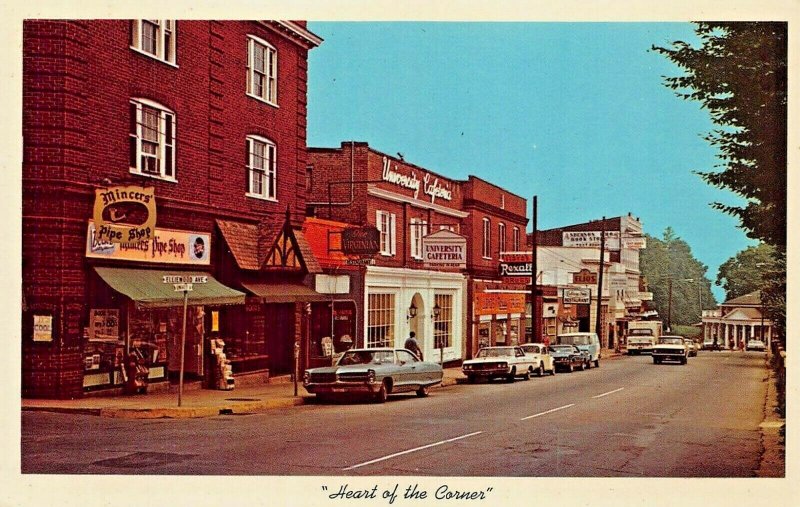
772, 462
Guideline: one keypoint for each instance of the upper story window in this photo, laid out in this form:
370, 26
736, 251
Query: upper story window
155, 37
419, 228
501, 236
487, 239
152, 140
386, 223
261, 173
515, 239
262, 70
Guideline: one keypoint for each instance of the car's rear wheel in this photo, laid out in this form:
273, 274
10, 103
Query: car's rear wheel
423, 391
684, 360
382, 394
553, 371
528, 374
571, 368
582, 366
597, 363
540, 371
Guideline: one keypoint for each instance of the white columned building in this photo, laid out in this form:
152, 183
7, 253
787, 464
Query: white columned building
736, 321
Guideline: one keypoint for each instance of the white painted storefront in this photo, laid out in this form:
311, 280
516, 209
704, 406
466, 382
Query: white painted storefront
391, 293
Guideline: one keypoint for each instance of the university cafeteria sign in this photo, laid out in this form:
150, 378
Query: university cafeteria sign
444, 248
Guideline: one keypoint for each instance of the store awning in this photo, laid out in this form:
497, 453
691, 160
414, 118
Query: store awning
146, 287
284, 292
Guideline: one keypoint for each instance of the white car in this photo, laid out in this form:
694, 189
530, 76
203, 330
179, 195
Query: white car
541, 357
692, 347
499, 362
670, 348
756, 345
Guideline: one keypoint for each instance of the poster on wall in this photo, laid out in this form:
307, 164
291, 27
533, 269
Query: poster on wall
103, 324
42, 328
167, 246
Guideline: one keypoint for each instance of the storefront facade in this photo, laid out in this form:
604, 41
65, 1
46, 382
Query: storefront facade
159, 144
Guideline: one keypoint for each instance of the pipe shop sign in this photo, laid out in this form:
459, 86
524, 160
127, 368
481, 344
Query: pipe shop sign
124, 214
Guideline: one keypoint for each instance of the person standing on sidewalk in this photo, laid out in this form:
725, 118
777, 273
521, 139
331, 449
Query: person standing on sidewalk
412, 345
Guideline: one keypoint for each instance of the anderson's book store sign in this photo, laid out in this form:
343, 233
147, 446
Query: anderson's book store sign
165, 246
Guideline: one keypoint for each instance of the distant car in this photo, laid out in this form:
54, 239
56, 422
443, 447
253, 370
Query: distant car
376, 372
541, 357
587, 342
756, 345
711, 345
670, 348
569, 357
692, 347
499, 362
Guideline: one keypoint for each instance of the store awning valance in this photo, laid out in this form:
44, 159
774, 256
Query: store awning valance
284, 292
147, 289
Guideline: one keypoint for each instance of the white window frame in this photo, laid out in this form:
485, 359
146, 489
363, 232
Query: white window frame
380, 320
443, 323
166, 34
487, 239
387, 225
270, 87
165, 150
501, 235
270, 173
419, 229
515, 239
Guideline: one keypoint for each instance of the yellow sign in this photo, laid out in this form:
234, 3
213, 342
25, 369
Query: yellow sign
491, 303
124, 214
42, 328
214, 321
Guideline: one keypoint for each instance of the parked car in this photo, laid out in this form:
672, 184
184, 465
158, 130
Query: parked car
541, 356
569, 357
499, 362
670, 348
692, 347
587, 342
376, 372
710, 344
757, 345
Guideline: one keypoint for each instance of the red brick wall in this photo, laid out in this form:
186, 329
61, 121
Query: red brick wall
78, 79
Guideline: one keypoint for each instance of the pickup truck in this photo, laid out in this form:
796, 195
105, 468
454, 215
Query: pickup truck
640, 341
670, 348
499, 362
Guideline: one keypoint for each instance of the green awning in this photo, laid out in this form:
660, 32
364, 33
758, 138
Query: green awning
147, 288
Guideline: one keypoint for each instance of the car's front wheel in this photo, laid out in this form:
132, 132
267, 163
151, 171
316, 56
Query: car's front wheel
597, 363
382, 394
423, 391
571, 368
511, 375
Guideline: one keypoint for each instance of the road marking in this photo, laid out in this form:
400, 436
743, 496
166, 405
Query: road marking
412, 450
610, 392
548, 411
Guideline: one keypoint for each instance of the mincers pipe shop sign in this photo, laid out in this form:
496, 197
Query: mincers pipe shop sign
124, 214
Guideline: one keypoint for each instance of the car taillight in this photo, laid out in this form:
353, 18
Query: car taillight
307, 378
371, 376
504, 365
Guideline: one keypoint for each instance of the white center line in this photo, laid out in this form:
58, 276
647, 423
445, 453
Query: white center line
548, 411
412, 450
610, 392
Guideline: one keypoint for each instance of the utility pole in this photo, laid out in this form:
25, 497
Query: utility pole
534, 270
669, 307
598, 326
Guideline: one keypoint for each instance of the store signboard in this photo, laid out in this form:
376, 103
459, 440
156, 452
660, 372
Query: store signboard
635, 242
124, 214
429, 184
590, 239
444, 248
361, 240
584, 277
491, 303
577, 296
166, 246
42, 328
618, 283
516, 267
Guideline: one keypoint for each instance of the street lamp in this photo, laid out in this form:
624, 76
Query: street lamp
412, 312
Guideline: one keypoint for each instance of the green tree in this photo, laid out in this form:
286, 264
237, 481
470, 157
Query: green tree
745, 272
670, 259
739, 74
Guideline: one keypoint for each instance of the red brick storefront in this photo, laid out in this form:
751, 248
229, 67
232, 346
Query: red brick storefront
89, 90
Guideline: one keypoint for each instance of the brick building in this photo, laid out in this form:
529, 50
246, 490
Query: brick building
446, 306
192, 134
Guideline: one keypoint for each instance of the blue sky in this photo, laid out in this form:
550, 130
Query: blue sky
575, 113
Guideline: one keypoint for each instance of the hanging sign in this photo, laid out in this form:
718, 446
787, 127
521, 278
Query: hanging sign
444, 248
577, 296
584, 277
361, 240
124, 214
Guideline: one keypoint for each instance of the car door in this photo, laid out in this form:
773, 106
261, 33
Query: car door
547, 359
411, 368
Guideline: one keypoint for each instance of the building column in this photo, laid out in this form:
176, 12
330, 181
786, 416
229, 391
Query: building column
727, 333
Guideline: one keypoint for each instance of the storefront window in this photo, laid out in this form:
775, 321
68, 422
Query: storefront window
443, 323
380, 323
499, 327
483, 334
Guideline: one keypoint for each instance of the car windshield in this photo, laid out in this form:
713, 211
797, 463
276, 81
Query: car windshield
561, 348
671, 341
498, 352
574, 340
366, 357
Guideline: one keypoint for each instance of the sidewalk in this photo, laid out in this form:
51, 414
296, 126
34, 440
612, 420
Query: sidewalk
195, 402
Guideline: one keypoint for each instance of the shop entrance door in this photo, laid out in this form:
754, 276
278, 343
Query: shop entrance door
280, 337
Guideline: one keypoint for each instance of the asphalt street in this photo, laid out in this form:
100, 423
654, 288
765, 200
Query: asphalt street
628, 418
